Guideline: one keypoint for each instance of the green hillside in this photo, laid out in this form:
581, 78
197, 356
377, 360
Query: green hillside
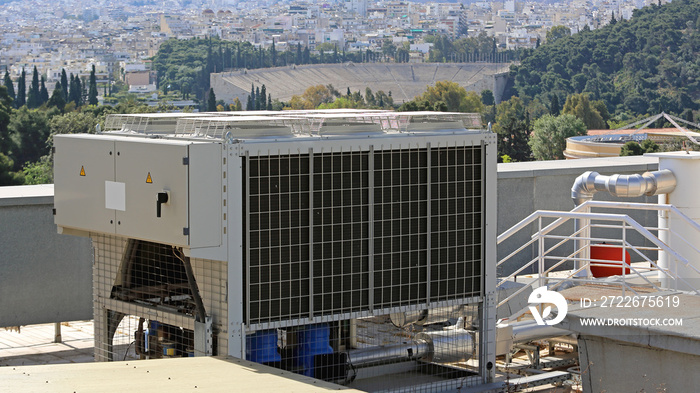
643, 65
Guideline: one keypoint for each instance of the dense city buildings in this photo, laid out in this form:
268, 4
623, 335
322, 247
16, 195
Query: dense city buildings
119, 37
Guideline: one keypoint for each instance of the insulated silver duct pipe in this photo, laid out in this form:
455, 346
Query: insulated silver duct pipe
531, 331
426, 317
375, 356
648, 183
440, 346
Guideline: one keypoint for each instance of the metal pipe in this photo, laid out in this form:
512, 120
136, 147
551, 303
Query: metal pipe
445, 346
648, 183
375, 356
530, 331
353, 333
425, 317
449, 346
588, 183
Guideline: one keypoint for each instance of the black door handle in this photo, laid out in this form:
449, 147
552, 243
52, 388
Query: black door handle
161, 199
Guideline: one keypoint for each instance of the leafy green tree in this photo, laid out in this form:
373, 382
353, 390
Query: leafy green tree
21, 99
388, 48
211, 102
40, 172
642, 65
317, 95
580, 106
7, 82
487, 97
549, 135
650, 146
92, 90
237, 106
513, 130
56, 99
6, 143
633, 148
30, 131
7, 176
556, 33
402, 55
80, 122
369, 97
454, 96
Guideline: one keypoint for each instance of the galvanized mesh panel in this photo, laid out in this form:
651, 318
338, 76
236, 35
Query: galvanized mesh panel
144, 305
417, 350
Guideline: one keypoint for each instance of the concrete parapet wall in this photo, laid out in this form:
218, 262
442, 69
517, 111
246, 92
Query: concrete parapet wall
44, 277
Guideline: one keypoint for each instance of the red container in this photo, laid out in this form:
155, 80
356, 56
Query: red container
608, 253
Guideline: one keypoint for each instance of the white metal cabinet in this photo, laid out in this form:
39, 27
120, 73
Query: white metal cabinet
82, 164
122, 179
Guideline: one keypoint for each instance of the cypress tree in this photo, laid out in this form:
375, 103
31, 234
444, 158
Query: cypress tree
263, 98
269, 102
211, 102
554, 108
71, 89
78, 91
257, 99
21, 90
64, 84
92, 92
299, 55
249, 105
273, 53
238, 55
307, 56
84, 91
33, 99
9, 85
43, 92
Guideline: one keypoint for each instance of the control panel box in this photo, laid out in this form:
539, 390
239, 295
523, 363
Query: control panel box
160, 190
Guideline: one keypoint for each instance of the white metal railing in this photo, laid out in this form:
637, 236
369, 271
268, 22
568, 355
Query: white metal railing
643, 243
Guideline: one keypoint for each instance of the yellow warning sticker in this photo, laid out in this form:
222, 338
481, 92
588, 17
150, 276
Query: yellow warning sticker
148, 178
82, 170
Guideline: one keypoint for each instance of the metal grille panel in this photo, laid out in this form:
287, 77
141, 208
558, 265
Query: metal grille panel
362, 231
279, 237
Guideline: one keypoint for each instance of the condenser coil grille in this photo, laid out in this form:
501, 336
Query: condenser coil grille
363, 231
